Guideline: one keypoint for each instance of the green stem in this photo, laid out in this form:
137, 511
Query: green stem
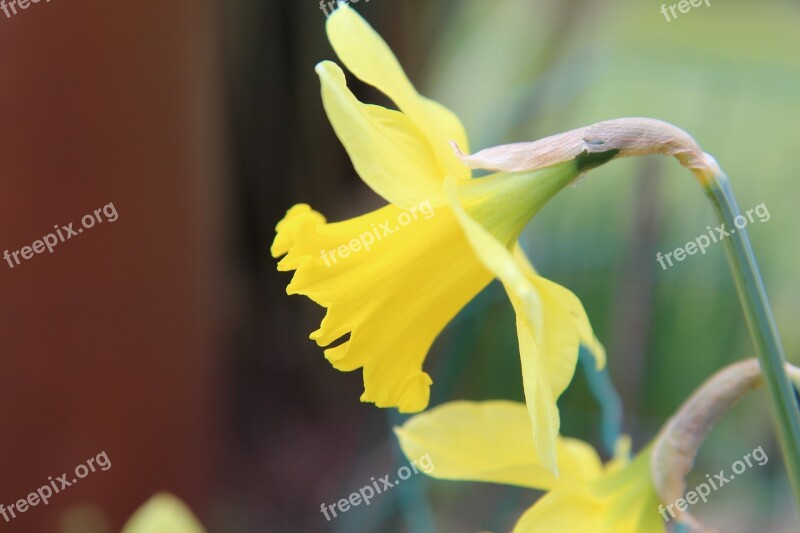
761, 324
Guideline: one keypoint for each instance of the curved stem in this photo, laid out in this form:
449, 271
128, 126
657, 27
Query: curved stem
761, 324
598, 143
675, 448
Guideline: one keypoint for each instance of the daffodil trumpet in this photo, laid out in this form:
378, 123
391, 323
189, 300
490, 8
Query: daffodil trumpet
387, 304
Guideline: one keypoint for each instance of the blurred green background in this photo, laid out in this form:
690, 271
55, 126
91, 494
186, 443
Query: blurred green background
516, 70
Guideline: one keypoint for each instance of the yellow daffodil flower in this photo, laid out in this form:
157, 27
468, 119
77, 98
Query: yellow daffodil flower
163, 513
392, 279
490, 442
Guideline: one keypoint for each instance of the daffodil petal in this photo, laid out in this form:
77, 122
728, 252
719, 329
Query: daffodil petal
491, 441
629, 496
547, 331
575, 307
392, 286
548, 355
560, 335
385, 147
371, 60
163, 513
561, 511
621, 500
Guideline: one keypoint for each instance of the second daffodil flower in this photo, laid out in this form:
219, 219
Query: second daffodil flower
490, 442
395, 291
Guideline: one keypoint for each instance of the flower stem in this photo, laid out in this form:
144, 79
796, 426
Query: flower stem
593, 145
761, 324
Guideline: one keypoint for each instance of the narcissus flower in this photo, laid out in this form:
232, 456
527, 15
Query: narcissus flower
490, 442
163, 513
391, 279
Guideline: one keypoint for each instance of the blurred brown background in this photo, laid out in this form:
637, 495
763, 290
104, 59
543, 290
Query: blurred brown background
112, 341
